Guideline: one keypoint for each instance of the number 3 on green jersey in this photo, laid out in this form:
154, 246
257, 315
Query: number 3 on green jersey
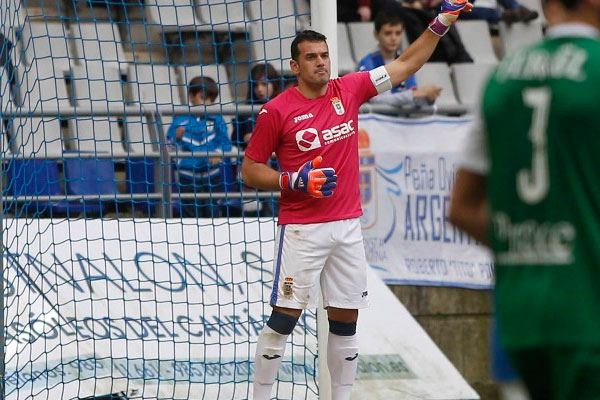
533, 183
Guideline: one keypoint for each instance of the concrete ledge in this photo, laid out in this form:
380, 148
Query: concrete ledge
458, 321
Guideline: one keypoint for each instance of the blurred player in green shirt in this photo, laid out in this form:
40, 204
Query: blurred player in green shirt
529, 187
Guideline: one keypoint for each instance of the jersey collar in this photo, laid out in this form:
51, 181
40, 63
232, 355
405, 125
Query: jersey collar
573, 30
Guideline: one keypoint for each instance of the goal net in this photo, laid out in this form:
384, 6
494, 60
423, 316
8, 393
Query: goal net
135, 263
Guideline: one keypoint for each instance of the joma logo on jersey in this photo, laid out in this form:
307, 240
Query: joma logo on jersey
302, 117
308, 139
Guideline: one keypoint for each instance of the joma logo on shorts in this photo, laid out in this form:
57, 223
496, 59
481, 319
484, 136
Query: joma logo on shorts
303, 117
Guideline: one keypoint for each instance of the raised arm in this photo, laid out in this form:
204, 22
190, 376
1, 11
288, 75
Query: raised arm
421, 49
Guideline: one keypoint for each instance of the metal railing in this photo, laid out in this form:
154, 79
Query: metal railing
163, 154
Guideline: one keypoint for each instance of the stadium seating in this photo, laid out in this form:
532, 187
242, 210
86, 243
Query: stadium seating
362, 39
42, 85
302, 14
97, 86
166, 16
519, 35
99, 42
5, 149
272, 30
476, 37
139, 139
5, 94
223, 15
438, 74
91, 177
140, 179
346, 62
270, 40
34, 180
85, 65
469, 79
216, 72
281, 10
48, 41
154, 85
36, 137
96, 134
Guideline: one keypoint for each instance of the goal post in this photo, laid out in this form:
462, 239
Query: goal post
130, 268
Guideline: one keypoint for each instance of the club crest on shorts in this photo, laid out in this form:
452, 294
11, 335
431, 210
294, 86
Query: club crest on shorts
288, 287
337, 105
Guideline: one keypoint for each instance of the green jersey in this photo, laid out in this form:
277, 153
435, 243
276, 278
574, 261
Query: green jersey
541, 113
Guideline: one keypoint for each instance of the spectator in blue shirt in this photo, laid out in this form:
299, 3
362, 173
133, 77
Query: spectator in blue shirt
200, 135
388, 32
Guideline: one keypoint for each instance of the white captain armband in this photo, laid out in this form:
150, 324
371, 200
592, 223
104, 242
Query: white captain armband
381, 79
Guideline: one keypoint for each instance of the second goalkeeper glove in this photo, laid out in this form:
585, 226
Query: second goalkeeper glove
310, 179
448, 15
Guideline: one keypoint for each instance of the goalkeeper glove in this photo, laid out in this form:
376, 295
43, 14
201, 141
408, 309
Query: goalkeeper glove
310, 179
448, 15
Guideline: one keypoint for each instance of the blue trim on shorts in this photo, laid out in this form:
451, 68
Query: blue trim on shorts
277, 268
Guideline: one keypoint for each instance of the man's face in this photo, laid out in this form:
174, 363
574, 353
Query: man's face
313, 65
390, 37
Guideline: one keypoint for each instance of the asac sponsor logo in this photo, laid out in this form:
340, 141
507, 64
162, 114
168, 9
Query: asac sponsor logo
303, 117
308, 139
338, 132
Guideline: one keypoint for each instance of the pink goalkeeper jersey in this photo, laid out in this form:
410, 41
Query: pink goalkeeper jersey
298, 129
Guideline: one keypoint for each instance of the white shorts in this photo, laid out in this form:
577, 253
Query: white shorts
329, 255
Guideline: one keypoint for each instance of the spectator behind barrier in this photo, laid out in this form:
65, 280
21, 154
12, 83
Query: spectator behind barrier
265, 84
512, 11
200, 134
6, 47
450, 48
353, 10
388, 32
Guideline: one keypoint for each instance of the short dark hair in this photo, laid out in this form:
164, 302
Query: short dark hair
305, 36
387, 17
204, 84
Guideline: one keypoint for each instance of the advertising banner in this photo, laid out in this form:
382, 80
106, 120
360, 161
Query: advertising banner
173, 309
408, 169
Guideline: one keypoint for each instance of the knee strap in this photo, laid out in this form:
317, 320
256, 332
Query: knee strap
282, 323
342, 328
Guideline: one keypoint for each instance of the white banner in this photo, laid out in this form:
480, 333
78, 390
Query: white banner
171, 309
408, 168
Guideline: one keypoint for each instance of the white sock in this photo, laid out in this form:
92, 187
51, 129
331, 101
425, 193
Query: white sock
342, 360
269, 353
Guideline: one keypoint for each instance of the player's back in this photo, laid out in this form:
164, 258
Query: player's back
540, 111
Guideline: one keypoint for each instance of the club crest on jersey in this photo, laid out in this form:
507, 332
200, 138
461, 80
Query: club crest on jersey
337, 105
288, 287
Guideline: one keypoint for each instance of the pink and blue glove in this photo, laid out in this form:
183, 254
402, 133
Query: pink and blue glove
310, 179
448, 15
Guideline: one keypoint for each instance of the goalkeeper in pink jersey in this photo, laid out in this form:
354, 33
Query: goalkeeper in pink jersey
313, 129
